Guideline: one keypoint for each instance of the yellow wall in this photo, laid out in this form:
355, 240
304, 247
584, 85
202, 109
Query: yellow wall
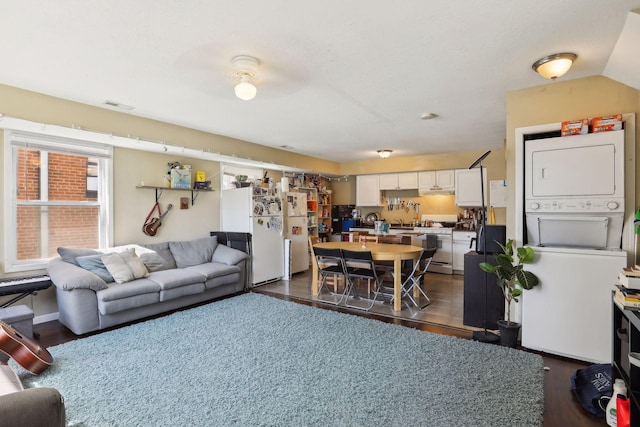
47, 109
564, 100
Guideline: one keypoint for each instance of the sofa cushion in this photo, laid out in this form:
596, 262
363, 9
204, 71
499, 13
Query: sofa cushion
193, 252
125, 266
157, 256
94, 264
70, 254
227, 255
116, 291
222, 280
170, 279
214, 269
119, 297
195, 288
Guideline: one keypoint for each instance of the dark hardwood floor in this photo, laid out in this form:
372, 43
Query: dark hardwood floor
560, 409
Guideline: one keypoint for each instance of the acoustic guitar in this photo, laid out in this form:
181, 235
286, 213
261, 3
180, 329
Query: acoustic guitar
28, 354
150, 228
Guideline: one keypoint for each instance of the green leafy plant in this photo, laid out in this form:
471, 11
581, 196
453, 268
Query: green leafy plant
512, 277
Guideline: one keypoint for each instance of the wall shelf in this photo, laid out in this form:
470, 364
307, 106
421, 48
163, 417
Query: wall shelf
194, 191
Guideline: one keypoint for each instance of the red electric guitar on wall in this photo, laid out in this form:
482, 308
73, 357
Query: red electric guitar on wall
28, 354
150, 227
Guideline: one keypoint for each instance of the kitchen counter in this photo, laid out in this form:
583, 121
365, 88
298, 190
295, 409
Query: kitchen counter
403, 229
392, 227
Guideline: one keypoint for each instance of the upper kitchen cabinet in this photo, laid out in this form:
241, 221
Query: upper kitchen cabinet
367, 190
468, 191
399, 181
436, 181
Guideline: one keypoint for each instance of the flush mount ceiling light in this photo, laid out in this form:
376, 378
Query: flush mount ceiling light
428, 116
245, 68
553, 66
384, 153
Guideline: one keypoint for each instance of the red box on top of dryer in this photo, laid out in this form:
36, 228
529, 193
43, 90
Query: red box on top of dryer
575, 127
606, 123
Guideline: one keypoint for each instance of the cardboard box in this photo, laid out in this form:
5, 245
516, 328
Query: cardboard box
180, 178
606, 123
575, 127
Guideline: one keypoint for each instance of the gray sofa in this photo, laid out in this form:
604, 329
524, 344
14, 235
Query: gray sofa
35, 407
97, 289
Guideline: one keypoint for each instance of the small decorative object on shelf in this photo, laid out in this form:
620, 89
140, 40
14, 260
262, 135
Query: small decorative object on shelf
201, 181
179, 175
241, 181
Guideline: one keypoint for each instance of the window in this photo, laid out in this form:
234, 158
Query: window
57, 194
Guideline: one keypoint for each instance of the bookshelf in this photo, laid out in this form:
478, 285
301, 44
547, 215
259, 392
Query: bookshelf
324, 214
312, 210
318, 203
626, 340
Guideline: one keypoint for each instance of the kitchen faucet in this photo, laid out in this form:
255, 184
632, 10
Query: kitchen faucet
399, 221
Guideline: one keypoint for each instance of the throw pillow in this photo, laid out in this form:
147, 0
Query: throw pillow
70, 254
226, 255
156, 256
193, 252
94, 264
125, 266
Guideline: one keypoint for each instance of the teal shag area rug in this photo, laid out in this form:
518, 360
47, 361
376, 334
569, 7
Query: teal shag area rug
253, 360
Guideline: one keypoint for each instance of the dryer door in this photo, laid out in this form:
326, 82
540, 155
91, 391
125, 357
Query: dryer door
580, 166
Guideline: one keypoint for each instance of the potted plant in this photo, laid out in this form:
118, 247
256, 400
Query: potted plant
512, 279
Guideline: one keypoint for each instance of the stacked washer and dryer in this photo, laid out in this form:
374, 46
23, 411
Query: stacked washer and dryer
574, 213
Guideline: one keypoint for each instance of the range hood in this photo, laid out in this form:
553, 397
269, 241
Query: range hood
435, 190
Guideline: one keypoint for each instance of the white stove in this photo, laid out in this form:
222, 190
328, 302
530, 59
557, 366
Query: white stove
442, 226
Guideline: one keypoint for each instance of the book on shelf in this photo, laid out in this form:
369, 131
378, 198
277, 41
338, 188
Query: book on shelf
627, 281
633, 271
628, 292
626, 302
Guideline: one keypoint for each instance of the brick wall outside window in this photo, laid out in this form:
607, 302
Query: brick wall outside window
70, 226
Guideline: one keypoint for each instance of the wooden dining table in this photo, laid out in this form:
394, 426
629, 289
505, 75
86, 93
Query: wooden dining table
380, 252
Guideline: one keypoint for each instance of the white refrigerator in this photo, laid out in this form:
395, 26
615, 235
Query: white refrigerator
257, 211
297, 253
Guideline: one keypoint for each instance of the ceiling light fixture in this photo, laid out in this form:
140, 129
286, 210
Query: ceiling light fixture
428, 116
553, 66
245, 72
384, 153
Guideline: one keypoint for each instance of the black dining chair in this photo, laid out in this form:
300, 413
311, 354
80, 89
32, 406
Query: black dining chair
414, 279
330, 265
360, 265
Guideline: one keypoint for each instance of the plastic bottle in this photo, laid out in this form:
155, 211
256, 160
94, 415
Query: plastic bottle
611, 414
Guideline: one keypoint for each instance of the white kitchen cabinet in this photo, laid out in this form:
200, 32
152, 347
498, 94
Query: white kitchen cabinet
468, 190
461, 243
436, 180
399, 181
367, 190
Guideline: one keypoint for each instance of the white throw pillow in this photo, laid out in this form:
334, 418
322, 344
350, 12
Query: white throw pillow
125, 266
